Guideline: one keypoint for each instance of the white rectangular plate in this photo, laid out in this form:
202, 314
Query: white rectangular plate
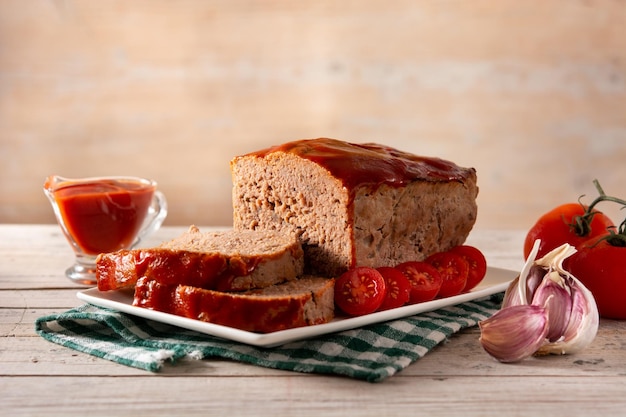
495, 281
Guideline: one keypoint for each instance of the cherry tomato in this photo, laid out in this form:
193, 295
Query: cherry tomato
425, 280
558, 226
601, 268
359, 291
454, 271
398, 288
477, 264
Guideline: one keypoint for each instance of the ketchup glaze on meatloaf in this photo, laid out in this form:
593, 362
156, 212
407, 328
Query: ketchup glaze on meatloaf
370, 163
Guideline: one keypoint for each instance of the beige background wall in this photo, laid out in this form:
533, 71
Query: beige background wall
530, 93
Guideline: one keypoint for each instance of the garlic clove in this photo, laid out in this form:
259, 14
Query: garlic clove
512, 295
514, 333
552, 295
522, 287
533, 280
583, 323
523, 276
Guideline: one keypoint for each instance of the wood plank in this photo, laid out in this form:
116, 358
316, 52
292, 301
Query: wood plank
61, 299
314, 395
16, 322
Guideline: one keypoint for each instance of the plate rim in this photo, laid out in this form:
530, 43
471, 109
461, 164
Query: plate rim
118, 300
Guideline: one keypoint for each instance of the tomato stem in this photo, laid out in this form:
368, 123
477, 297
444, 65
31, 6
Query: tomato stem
619, 238
582, 224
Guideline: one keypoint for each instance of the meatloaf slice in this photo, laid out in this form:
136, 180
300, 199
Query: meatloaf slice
222, 260
354, 204
302, 302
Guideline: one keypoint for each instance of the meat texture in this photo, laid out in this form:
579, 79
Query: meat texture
349, 204
220, 260
302, 302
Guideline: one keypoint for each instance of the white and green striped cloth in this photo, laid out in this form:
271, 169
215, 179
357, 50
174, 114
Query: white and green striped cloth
370, 353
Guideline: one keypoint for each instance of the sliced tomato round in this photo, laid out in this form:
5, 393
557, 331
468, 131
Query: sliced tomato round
398, 288
477, 264
425, 280
454, 271
359, 291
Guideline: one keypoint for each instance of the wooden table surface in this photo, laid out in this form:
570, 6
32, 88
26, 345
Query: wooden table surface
457, 378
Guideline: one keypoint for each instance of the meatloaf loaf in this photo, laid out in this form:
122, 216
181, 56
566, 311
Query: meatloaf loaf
302, 302
354, 204
220, 260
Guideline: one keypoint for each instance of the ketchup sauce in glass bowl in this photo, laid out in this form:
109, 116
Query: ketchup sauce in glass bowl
103, 214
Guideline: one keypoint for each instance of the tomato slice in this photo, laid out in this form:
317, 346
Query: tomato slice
477, 264
398, 288
425, 280
454, 271
359, 291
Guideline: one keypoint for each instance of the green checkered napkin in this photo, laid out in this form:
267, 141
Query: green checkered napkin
370, 353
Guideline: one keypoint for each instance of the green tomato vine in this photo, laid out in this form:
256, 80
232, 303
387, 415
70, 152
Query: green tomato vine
582, 224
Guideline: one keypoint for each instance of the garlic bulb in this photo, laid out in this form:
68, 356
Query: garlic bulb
545, 310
